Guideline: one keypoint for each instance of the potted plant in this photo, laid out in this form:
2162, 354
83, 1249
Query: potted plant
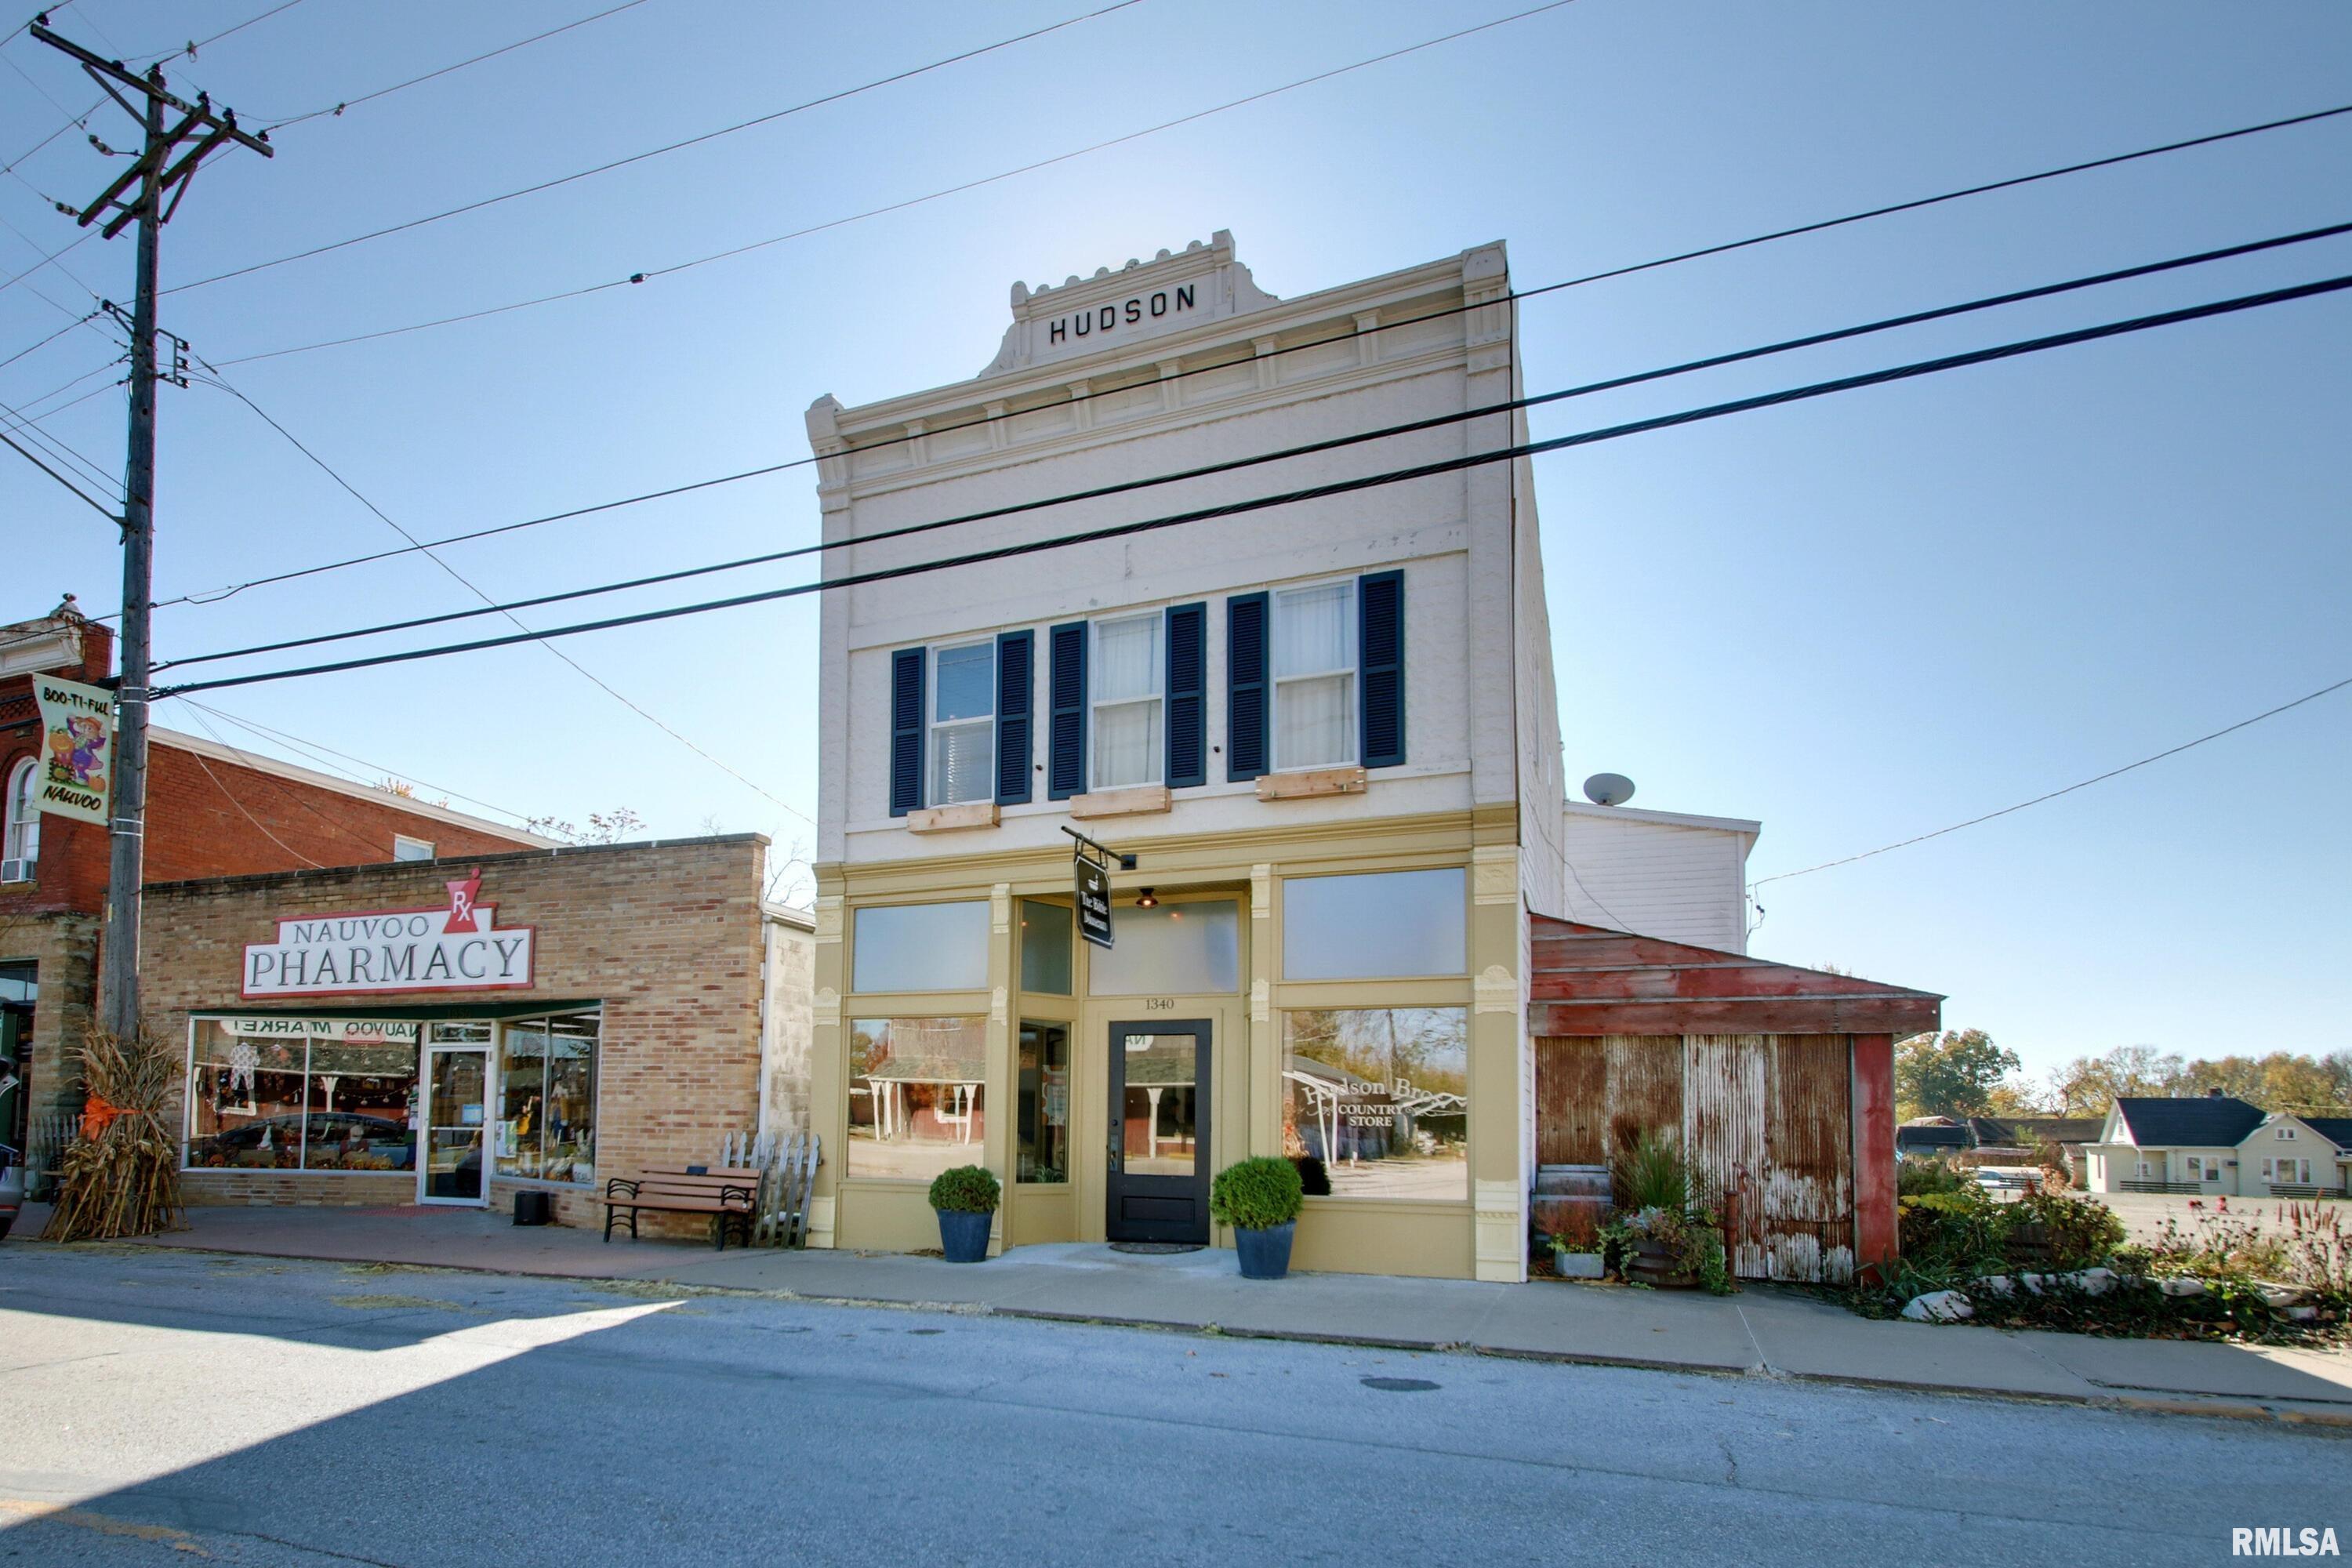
965, 1198
1260, 1198
1663, 1236
1575, 1259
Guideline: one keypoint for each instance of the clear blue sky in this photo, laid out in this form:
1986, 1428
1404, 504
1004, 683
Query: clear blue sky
1857, 620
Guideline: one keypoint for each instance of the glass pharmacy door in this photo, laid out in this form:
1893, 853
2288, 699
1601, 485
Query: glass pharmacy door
457, 1086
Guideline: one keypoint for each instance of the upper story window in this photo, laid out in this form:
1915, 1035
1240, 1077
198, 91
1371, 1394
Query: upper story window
1314, 677
403, 847
21, 846
963, 723
1128, 688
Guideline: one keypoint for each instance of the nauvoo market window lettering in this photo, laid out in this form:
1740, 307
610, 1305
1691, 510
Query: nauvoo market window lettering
456, 948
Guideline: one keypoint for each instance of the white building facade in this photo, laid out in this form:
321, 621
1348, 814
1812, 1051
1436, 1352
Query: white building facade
1325, 731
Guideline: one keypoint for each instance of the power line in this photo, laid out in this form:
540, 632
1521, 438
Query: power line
314, 750
1725, 248
650, 273
1384, 433
349, 103
62, 451
2070, 789
1335, 488
764, 470
608, 167
527, 636
87, 500
189, 49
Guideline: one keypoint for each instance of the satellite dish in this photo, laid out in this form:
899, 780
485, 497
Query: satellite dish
1608, 789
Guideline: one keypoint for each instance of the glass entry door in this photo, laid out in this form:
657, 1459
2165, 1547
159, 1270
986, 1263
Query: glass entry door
1158, 1155
457, 1085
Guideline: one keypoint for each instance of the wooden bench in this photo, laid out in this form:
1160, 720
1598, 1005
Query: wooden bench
726, 1195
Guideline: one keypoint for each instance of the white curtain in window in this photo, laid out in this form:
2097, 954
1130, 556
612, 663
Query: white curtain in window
1126, 745
1126, 690
963, 762
1315, 722
24, 817
1311, 630
1127, 659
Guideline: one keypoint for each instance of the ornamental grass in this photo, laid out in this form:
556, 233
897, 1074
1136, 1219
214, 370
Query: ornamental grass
120, 1176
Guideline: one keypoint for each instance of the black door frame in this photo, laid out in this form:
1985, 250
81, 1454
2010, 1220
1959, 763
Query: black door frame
1117, 1185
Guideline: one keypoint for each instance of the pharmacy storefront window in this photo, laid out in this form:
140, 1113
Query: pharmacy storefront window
1381, 1095
914, 1095
547, 1098
301, 1094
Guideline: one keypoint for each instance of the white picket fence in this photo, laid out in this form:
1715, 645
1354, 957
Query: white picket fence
787, 1168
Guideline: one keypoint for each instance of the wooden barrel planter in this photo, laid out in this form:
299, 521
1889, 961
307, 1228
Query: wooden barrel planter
1653, 1263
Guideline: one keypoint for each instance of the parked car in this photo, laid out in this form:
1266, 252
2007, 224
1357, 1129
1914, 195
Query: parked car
12, 1188
339, 1140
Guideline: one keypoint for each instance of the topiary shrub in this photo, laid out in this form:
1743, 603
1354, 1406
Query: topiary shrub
967, 1189
1260, 1193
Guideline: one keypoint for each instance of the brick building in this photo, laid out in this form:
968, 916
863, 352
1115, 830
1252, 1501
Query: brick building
213, 811
454, 1032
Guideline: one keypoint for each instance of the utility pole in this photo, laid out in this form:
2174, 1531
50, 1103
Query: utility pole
156, 174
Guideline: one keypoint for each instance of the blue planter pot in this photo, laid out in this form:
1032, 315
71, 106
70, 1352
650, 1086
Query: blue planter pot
963, 1236
1265, 1254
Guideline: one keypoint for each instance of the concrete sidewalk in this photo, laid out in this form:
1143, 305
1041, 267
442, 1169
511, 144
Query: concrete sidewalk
1763, 1331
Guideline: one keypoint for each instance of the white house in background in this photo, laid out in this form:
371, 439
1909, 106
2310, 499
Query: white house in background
1660, 873
2220, 1146
2290, 1151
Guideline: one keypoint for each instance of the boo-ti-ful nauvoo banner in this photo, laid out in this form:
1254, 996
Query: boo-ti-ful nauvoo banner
77, 772
459, 948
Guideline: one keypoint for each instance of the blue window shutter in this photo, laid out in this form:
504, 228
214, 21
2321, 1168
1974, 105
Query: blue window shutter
1247, 694
1014, 697
1188, 695
906, 730
1066, 765
1379, 679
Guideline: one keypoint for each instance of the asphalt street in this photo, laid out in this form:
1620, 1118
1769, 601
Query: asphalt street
160, 1408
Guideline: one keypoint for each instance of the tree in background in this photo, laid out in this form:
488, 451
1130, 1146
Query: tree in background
2283, 1080
1960, 1072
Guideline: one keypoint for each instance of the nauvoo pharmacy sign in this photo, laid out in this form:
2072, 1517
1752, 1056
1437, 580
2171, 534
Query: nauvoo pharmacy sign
460, 947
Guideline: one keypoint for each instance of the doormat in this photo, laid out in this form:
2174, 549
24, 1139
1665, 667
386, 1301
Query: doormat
1156, 1249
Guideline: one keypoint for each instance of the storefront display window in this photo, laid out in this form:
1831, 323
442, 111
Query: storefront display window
1046, 948
920, 947
1380, 925
1175, 950
1045, 1112
915, 1095
308, 1095
1381, 1095
547, 1095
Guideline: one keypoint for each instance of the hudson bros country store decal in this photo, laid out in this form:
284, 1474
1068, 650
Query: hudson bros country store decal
458, 948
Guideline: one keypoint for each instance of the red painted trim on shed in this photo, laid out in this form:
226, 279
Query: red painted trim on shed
1588, 980
1874, 1218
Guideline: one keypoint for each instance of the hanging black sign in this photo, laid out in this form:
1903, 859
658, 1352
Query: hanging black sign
1093, 901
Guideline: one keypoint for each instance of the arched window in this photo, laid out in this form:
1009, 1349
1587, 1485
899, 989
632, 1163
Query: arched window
21, 845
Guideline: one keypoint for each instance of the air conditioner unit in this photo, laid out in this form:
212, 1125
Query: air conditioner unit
17, 870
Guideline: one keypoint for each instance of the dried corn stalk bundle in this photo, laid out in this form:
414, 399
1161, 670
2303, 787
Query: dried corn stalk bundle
120, 1176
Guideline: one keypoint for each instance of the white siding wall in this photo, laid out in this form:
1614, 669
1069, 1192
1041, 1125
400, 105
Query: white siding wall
1683, 881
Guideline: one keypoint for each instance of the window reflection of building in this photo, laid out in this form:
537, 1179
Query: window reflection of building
1380, 1096
296, 1102
1045, 1103
916, 1101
